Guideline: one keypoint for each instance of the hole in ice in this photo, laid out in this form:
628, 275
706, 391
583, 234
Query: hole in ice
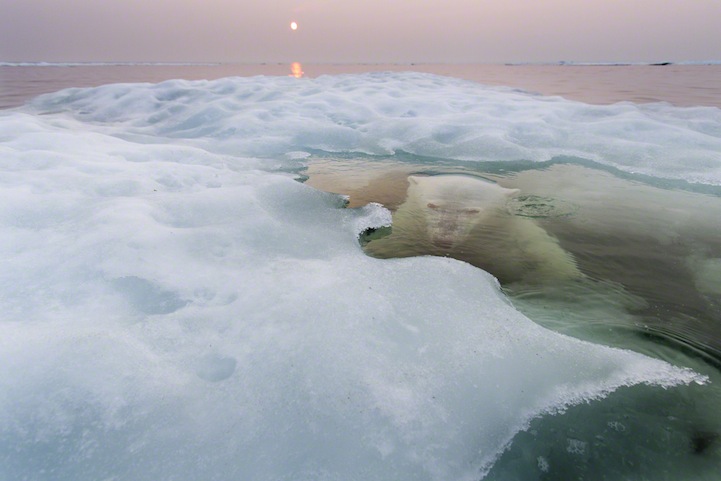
577, 248
586, 252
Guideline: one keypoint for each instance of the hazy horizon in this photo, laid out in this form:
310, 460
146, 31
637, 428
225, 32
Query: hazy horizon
373, 31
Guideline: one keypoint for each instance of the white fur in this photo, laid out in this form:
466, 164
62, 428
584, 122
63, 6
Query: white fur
467, 218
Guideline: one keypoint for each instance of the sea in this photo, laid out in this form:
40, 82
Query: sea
682, 85
590, 193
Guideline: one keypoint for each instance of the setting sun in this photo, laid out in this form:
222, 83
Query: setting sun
293, 26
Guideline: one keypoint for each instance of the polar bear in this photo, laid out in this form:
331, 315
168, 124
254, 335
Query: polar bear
467, 218
453, 205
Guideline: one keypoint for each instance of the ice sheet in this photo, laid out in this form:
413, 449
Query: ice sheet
428, 115
176, 308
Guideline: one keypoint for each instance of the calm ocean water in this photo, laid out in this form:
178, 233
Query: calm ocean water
647, 254
682, 85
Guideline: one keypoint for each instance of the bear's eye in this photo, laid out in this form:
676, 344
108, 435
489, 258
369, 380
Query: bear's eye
471, 211
433, 206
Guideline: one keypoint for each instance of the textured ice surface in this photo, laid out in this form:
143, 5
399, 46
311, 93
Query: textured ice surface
382, 113
176, 308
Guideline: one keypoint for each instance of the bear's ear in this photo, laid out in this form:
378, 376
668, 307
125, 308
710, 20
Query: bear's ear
413, 179
512, 192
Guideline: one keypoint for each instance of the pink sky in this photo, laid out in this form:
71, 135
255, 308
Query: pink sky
360, 31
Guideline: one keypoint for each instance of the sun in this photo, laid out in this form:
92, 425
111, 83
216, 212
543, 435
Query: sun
293, 26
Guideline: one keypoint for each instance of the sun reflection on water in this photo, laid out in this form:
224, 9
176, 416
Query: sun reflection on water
296, 70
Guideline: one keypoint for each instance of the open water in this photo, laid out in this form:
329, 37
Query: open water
682, 85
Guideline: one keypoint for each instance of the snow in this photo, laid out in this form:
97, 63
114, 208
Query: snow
386, 113
177, 306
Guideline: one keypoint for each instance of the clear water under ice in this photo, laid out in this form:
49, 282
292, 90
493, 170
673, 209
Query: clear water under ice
605, 256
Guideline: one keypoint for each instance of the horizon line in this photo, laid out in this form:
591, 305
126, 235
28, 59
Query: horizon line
41, 63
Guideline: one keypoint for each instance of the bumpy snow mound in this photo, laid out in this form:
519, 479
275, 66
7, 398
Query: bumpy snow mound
381, 113
172, 311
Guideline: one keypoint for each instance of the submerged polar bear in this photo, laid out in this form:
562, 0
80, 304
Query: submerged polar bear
467, 218
453, 205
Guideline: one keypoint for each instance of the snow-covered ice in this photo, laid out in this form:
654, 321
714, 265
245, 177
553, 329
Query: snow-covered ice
177, 306
385, 113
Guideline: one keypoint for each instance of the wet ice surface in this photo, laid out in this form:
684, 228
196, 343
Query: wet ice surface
177, 305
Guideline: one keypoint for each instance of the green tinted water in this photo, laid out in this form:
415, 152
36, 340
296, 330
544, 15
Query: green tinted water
603, 256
